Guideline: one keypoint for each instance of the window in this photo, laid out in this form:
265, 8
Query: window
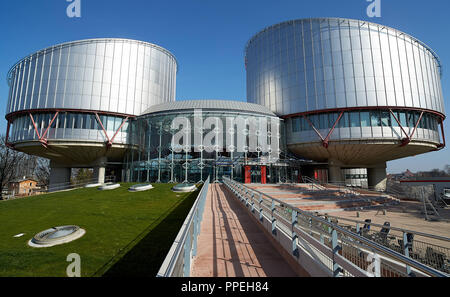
385, 119
344, 122
93, 121
410, 119
110, 124
61, 120
365, 119
393, 120
77, 121
354, 119
402, 118
69, 121
375, 119
296, 125
85, 124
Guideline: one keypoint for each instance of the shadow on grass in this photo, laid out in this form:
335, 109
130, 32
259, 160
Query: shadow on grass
146, 257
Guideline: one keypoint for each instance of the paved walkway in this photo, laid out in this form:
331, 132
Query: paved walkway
231, 244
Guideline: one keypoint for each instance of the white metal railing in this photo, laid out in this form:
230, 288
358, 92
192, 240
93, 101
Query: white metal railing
178, 261
337, 250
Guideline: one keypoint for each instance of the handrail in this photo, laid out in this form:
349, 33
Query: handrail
387, 252
183, 242
394, 228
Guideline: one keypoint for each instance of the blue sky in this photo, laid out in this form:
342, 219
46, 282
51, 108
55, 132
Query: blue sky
208, 38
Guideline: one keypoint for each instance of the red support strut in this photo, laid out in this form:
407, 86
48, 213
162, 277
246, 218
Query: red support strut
326, 139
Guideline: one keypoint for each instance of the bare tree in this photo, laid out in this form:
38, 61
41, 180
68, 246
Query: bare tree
42, 171
9, 163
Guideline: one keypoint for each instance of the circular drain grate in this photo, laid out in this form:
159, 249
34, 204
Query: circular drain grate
56, 235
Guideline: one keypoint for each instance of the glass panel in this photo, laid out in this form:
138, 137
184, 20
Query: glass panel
375, 118
295, 125
354, 119
344, 122
403, 119
385, 119
393, 121
365, 119
61, 120
93, 122
86, 121
69, 121
77, 121
110, 123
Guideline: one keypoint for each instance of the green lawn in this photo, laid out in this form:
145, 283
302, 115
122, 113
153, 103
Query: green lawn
126, 233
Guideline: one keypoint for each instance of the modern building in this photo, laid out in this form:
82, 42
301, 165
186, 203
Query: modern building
352, 93
345, 94
72, 103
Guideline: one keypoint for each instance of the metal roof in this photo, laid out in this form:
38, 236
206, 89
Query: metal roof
226, 105
87, 41
342, 20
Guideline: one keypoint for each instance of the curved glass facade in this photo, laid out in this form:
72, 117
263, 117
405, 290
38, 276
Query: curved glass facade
111, 75
365, 124
155, 160
317, 64
69, 126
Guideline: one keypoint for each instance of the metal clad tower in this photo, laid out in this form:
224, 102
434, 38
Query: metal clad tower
353, 93
71, 103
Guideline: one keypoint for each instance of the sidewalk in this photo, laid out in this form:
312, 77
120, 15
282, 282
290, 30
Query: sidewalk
230, 244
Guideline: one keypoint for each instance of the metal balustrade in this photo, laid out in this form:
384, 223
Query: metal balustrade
178, 261
335, 250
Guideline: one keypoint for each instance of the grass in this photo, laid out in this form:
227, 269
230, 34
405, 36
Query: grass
126, 233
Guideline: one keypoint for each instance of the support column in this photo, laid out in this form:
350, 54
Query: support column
59, 177
100, 170
335, 172
377, 177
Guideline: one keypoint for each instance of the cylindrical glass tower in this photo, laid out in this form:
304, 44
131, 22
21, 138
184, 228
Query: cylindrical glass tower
69, 100
352, 92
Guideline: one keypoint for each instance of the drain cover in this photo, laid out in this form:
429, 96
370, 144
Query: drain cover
56, 236
185, 187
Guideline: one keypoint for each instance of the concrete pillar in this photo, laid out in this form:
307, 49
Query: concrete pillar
59, 177
377, 177
99, 174
335, 172
100, 170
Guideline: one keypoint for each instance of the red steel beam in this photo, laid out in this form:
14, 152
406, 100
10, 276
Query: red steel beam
52, 110
103, 128
442, 145
417, 125
7, 135
314, 128
325, 142
356, 108
35, 127
117, 132
46, 131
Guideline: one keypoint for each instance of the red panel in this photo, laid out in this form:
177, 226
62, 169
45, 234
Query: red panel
263, 175
248, 178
